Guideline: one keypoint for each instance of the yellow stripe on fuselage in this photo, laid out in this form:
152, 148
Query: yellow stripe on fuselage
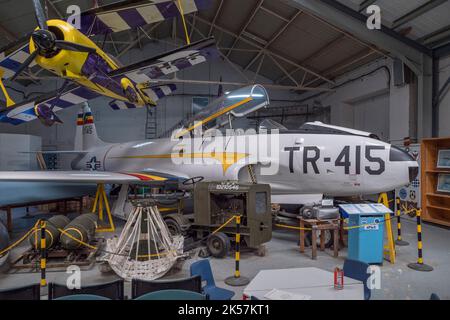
227, 159
213, 116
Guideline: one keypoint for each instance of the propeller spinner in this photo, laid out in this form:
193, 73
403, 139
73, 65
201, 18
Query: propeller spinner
46, 41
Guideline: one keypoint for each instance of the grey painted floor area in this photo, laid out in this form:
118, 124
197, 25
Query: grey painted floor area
398, 281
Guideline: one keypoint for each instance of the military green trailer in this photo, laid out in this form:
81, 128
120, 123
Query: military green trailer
216, 202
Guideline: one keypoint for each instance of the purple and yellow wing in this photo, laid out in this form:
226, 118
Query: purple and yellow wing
116, 18
25, 111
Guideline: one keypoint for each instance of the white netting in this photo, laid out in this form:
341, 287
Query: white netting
145, 249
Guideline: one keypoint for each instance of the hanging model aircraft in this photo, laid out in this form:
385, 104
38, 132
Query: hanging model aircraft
300, 165
57, 46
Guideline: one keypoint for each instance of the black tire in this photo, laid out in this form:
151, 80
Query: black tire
218, 244
173, 226
328, 238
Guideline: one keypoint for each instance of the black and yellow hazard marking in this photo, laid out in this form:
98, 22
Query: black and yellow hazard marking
399, 241
237, 273
237, 279
419, 265
43, 254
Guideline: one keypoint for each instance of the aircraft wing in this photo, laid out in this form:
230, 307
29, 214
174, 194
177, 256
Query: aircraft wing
155, 93
169, 62
24, 111
13, 55
87, 177
119, 17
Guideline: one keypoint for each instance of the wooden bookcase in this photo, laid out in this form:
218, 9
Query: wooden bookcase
435, 205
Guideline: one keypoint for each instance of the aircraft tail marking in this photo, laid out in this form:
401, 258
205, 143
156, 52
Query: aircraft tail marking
86, 133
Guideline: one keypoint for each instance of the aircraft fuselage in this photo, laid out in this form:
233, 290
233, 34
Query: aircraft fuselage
302, 163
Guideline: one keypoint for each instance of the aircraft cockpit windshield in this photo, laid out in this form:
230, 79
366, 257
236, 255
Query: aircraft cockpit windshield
238, 103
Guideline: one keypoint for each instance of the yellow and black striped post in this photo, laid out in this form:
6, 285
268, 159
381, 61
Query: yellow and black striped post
237, 279
419, 265
43, 253
399, 241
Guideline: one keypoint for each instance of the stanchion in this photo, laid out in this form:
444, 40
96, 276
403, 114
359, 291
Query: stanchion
237, 280
43, 254
399, 241
419, 265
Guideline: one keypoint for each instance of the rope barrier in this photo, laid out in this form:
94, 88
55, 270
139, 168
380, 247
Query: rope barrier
12, 246
139, 256
15, 244
345, 228
399, 241
224, 225
43, 253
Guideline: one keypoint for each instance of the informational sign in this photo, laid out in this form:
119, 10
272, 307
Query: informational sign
410, 197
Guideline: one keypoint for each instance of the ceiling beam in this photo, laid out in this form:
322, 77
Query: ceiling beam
136, 41
211, 28
417, 12
353, 22
315, 54
366, 3
345, 63
249, 20
284, 71
279, 56
237, 84
436, 37
274, 37
9, 35
274, 14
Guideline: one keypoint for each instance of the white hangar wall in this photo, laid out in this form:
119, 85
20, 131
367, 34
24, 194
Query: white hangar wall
367, 99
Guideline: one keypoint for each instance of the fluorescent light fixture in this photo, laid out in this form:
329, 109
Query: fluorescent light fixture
255, 95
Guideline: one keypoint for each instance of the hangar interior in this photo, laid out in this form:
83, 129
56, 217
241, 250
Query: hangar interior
318, 60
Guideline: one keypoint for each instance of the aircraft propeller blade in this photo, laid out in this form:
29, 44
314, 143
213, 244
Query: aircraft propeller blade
66, 45
40, 14
25, 64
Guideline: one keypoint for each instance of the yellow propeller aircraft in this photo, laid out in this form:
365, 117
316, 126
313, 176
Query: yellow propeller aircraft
89, 72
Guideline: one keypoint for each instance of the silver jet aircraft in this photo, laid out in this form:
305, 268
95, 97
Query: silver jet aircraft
301, 165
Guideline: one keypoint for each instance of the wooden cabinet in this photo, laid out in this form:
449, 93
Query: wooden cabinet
435, 205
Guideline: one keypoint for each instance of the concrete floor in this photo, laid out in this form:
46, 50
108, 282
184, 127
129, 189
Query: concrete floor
398, 281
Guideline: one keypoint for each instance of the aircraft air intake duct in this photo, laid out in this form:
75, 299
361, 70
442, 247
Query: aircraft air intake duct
51, 230
81, 228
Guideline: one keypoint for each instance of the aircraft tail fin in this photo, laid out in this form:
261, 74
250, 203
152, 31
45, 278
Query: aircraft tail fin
86, 132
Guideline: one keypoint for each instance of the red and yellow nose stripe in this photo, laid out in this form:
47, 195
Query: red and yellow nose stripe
146, 177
